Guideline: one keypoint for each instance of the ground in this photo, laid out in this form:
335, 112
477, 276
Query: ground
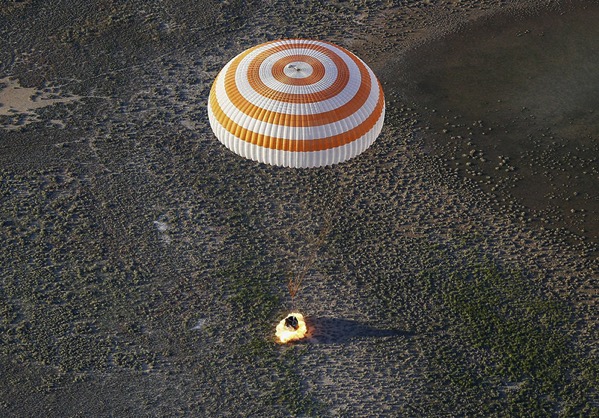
144, 266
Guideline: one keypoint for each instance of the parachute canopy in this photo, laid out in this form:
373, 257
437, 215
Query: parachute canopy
296, 103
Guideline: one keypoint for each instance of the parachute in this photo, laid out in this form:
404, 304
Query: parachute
296, 103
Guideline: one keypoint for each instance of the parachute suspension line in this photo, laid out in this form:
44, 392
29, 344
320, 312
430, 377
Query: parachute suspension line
295, 281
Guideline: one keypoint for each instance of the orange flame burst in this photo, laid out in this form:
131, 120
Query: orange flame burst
286, 334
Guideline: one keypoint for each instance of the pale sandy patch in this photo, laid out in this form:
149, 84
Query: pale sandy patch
23, 101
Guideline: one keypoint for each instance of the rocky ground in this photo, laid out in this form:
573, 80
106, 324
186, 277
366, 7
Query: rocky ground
144, 266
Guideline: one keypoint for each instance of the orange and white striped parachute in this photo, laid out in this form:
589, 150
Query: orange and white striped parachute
296, 103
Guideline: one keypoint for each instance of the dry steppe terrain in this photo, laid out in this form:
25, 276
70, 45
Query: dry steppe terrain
143, 266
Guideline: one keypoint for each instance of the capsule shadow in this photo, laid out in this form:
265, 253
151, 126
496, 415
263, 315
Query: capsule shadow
327, 330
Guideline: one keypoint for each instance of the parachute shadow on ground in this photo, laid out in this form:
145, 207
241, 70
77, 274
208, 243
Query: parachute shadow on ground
338, 331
